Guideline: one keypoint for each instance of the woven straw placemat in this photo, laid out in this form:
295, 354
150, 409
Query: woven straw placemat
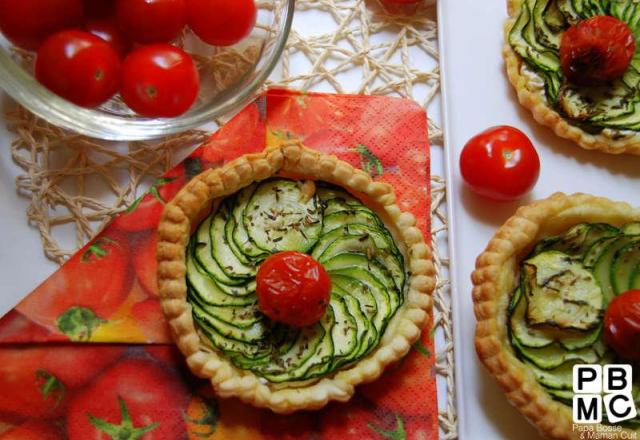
75, 182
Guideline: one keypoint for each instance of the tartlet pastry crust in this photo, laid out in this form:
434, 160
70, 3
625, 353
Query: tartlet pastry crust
535, 101
495, 279
182, 214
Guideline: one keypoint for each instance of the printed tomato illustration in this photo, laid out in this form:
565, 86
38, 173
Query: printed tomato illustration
135, 398
292, 115
296, 426
35, 381
33, 430
15, 327
243, 134
150, 318
145, 263
27, 389
86, 291
397, 388
210, 418
145, 212
357, 420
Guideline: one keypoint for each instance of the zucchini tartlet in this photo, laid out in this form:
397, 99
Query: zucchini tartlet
604, 116
217, 231
541, 289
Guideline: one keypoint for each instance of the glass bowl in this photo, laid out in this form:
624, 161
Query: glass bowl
230, 77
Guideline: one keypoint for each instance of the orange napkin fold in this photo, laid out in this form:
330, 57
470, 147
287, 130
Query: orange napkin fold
88, 353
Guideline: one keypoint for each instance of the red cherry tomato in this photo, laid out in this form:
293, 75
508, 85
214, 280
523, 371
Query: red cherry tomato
26, 23
152, 21
596, 50
221, 22
159, 80
99, 9
622, 324
79, 67
109, 31
293, 288
500, 163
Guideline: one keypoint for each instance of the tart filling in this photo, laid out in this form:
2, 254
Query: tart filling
359, 253
556, 312
536, 36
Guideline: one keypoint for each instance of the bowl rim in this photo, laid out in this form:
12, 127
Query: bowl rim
26, 90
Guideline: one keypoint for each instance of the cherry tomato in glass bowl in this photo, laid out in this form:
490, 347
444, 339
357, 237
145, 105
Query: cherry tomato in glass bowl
159, 80
221, 22
597, 50
292, 288
109, 31
152, 21
99, 9
79, 67
622, 324
27, 23
500, 163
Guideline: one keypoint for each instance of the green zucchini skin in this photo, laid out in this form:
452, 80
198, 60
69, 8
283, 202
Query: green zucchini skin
360, 255
586, 266
535, 37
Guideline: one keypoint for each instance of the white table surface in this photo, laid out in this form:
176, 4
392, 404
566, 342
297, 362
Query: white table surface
477, 95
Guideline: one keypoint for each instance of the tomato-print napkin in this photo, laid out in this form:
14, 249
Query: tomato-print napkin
87, 355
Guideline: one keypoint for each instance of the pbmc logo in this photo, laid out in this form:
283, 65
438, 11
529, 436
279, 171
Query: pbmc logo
595, 387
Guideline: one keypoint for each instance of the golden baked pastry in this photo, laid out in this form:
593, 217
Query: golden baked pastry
240, 362
604, 118
561, 240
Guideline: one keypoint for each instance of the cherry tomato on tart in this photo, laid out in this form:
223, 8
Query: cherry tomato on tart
293, 289
296, 289
79, 67
159, 80
622, 325
500, 163
556, 287
573, 65
597, 50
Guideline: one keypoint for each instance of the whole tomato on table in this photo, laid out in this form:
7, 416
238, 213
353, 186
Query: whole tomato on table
78, 66
136, 398
26, 23
500, 163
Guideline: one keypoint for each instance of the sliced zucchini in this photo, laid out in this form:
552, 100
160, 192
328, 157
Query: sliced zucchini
240, 234
631, 228
344, 330
552, 356
361, 306
625, 262
346, 261
203, 252
253, 334
221, 250
209, 292
564, 396
339, 219
577, 240
591, 257
560, 378
229, 227
560, 292
278, 217
604, 264
237, 316
543, 336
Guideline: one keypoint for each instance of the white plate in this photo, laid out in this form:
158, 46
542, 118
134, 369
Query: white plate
477, 95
